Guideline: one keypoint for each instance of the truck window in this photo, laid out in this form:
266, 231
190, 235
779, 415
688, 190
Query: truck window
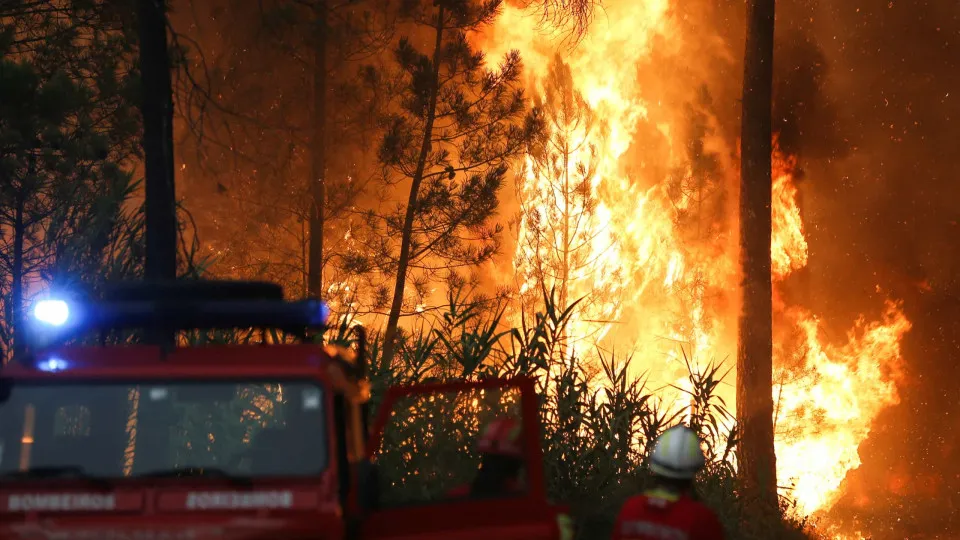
432, 452
128, 429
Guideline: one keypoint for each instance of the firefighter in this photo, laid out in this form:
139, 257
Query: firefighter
502, 462
501, 469
669, 509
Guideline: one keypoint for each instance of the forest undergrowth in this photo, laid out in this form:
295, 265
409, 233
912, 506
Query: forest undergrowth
599, 418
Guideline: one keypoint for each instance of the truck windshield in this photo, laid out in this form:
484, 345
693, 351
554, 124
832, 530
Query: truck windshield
117, 429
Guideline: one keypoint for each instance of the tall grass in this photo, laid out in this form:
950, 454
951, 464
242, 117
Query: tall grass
599, 420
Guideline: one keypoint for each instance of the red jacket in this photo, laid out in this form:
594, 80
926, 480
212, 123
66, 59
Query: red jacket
659, 515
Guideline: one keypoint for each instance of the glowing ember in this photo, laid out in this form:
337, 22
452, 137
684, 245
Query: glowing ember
656, 235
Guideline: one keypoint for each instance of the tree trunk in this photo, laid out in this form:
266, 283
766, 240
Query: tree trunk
160, 212
318, 154
393, 319
16, 278
756, 458
565, 345
565, 268
157, 111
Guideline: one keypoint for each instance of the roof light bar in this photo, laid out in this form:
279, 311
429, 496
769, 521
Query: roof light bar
173, 306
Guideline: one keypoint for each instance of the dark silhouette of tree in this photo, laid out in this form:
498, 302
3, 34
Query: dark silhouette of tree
451, 132
67, 137
342, 31
698, 193
156, 106
756, 458
318, 151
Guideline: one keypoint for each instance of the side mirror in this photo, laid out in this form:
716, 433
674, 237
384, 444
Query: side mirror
368, 485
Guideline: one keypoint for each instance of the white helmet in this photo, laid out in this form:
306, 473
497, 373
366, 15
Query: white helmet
677, 453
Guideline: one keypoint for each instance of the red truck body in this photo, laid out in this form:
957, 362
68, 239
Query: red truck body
320, 501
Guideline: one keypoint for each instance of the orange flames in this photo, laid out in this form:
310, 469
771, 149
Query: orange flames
654, 203
827, 395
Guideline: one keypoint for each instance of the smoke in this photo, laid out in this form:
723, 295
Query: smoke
867, 96
804, 114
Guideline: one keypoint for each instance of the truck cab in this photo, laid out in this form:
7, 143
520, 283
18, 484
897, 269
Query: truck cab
105, 439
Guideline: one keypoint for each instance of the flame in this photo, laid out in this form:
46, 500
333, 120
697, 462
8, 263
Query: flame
788, 246
654, 188
826, 408
828, 395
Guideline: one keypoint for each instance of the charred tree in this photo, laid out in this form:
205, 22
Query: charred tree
157, 111
318, 158
756, 456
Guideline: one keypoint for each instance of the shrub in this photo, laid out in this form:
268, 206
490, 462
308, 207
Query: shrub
599, 421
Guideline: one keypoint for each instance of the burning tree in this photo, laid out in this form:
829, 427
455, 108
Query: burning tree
698, 190
452, 129
559, 224
756, 457
698, 194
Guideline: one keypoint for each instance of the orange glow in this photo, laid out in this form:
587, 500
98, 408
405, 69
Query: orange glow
26, 441
663, 240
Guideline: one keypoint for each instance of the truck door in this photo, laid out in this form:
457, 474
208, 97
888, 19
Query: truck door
436, 480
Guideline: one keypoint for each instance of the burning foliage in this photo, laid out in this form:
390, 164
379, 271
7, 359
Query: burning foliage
663, 172
637, 182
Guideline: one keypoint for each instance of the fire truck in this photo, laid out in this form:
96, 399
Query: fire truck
254, 437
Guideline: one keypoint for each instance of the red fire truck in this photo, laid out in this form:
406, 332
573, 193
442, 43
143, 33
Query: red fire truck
102, 439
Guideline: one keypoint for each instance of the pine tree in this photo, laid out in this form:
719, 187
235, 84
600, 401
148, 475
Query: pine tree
156, 113
563, 239
698, 194
453, 129
756, 457
67, 136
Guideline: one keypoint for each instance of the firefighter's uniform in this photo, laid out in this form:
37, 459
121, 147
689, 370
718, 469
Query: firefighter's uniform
668, 513
661, 515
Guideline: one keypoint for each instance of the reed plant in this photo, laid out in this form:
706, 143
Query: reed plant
599, 418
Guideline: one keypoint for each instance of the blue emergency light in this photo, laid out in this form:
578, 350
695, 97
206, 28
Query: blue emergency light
52, 312
52, 364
